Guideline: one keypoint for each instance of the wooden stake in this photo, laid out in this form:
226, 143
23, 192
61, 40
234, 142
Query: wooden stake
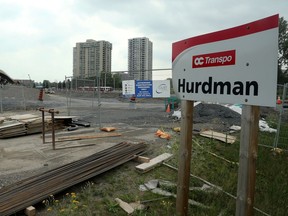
247, 160
184, 157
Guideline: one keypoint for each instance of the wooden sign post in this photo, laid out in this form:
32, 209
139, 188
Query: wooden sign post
185, 150
247, 160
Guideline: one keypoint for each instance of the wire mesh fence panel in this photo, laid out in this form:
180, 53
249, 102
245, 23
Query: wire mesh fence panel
13, 97
84, 89
281, 138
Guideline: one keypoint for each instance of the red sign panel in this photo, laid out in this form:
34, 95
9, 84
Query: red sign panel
223, 58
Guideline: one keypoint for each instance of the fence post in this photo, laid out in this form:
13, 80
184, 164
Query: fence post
1, 98
24, 100
276, 140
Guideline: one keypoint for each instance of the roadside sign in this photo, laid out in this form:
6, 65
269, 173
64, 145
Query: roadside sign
143, 88
146, 88
128, 87
236, 65
161, 88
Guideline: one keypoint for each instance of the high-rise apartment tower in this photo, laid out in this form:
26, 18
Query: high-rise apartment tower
140, 53
91, 58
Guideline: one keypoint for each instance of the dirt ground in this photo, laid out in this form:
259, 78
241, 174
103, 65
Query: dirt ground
25, 156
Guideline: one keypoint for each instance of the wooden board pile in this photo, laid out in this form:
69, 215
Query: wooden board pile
33, 123
12, 128
19, 125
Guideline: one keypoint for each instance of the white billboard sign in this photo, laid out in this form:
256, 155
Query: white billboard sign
237, 65
161, 88
146, 88
128, 87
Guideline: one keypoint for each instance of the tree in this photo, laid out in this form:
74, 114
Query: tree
64, 85
59, 85
46, 84
283, 51
68, 84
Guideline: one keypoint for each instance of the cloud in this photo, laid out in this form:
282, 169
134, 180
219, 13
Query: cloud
37, 36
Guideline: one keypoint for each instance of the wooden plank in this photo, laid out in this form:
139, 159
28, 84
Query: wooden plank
185, 150
142, 159
125, 206
57, 117
23, 116
11, 124
218, 136
30, 211
247, 160
144, 167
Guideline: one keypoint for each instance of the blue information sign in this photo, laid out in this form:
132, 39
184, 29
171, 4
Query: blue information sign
143, 89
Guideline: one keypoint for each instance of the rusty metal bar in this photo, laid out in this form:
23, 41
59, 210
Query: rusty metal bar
43, 124
17, 196
53, 128
52, 111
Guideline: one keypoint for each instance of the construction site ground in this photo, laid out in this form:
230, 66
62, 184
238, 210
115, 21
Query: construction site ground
25, 156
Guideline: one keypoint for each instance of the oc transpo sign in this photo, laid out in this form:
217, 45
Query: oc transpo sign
236, 65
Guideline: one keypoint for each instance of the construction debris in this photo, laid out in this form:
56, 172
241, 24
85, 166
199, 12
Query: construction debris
218, 136
18, 196
142, 159
108, 129
129, 208
176, 129
162, 134
155, 187
145, 167
277, 150
125, 206
30, 211
19, 125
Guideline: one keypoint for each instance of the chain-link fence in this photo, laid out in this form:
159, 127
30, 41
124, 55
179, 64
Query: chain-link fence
277, 119
281, 138
15, 97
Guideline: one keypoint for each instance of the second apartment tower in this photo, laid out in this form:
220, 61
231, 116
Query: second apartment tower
140, 51
91, 58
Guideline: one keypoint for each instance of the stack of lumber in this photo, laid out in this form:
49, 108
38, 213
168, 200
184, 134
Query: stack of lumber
19, 125
30, 191
218, 136
12, 128
33, 123
60, 122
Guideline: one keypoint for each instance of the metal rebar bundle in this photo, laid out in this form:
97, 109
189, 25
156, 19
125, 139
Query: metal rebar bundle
18, 196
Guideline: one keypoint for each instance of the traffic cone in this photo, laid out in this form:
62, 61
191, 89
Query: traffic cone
279, 100
40, 97
168, 108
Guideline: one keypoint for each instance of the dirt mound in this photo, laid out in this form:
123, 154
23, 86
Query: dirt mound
214, 116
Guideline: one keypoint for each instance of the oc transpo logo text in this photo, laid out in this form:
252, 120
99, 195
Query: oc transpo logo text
223, 58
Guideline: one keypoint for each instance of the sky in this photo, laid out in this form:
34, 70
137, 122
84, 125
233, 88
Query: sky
37, 36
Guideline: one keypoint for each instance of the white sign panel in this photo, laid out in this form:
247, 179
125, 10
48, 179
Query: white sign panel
161, 88
146, 88
128, 87
237, 65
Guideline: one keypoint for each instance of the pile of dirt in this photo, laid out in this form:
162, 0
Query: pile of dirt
215, 117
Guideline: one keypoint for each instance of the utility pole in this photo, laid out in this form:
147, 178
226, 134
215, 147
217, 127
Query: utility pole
30, 81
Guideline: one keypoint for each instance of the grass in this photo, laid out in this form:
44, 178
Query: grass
97, 196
